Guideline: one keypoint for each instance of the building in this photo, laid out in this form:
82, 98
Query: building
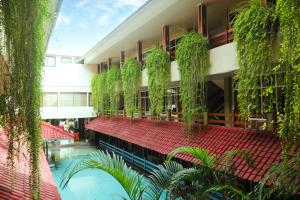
66, 88
163, 23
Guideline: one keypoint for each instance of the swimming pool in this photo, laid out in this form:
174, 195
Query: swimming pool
89, 184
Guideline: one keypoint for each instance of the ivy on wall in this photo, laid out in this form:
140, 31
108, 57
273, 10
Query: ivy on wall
158, 67
254, 34
23, 25
113, 82
193, 60
131, 80
288, 12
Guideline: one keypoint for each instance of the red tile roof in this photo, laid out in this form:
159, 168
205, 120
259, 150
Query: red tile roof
163, 137
50, 132
20, 189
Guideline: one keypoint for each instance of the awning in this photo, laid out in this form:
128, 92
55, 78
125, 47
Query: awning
20, 189
164, 136
50, 132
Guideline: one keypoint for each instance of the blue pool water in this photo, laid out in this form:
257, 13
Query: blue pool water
88, 184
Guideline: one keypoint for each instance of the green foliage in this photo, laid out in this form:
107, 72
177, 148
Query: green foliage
158, 66
100, 93
113, 164
210, 174
284, 178
131, 80
193, 59
23, 24
289, 19
113, 82
254, 34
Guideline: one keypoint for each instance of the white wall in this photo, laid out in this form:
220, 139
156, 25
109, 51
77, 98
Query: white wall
223, 60
67, 77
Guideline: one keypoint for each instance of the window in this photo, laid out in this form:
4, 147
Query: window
80, 99
50, 61
68, 99
49, 99
90, 100
66, 60
77, 60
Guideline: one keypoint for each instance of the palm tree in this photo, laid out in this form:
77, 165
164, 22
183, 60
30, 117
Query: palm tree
200, 181
113, 164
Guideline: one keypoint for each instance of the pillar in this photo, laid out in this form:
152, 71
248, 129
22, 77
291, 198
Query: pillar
122, 58
202, 20
109, 63
166, 38
139, 52
99, 68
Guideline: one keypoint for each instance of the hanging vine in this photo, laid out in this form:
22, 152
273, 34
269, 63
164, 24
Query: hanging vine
288, 12
23, 25
113, 82
131, 80
100, 93
158, 66
254, 34
193, 59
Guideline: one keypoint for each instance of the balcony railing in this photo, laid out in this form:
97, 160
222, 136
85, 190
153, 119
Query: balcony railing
221, 38
255, 121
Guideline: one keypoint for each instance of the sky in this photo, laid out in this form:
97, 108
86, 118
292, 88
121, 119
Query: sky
81, 24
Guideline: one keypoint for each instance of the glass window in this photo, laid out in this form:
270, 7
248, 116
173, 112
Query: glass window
77, 60
66, 99
50, 61
80, 99
49, 99
66, 60
90, 99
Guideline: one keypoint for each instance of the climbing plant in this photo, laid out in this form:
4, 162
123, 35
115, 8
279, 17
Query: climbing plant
22, 23
158, 67
193, 59
100, 93
113, 82
131, 80
288, 12
254, 34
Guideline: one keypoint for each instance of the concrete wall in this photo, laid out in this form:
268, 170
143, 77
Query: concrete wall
67, 77
223, 60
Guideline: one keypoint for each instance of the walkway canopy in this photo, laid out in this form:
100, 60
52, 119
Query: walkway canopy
50, 132
164, 136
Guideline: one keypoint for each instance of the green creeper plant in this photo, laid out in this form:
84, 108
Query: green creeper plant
131, 80
100, 93
113, 82
22, 23
193, 60
288, 12
254, 33
158, 67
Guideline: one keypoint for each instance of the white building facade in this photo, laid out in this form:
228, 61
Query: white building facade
66, 88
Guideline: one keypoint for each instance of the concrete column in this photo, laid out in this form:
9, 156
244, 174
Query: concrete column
202, 20
139, 51
166, 38
122, 58
109, 63
228, 103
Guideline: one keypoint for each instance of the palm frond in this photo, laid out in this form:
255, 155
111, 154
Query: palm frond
160, 179
203, 156
113, 164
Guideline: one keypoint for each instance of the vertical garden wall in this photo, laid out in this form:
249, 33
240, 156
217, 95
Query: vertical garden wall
22, 23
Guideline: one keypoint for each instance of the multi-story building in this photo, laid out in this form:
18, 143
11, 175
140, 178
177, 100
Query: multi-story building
163, 23
66, 88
